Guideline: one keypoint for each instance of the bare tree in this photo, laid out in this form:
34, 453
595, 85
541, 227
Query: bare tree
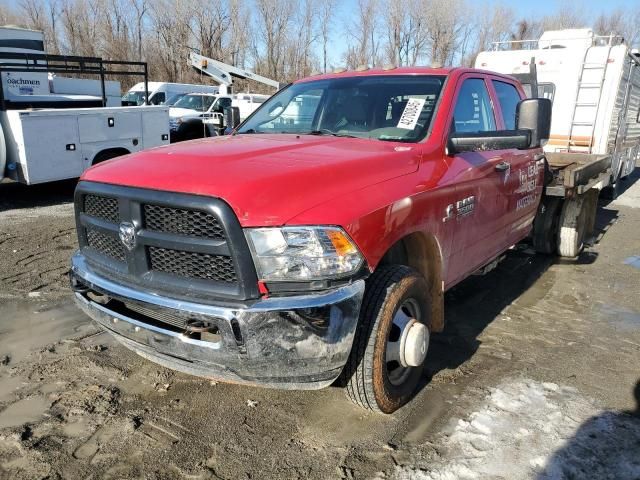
286, 39
171, 20
273, 24
141, 8
448, 29
327, 10
239, 34
364, 34
570, 14
619, 22
494, 25
300, 47
406, 28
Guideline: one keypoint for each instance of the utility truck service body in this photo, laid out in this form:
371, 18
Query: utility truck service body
299, 251
52, 127
594, 82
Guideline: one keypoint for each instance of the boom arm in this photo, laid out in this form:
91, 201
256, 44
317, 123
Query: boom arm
223, 73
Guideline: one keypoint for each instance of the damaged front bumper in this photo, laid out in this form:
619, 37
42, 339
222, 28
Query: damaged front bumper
297, 342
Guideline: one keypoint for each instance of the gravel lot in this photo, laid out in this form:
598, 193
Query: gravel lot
533, 377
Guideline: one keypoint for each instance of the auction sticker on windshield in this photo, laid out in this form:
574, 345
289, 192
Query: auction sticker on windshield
411, 113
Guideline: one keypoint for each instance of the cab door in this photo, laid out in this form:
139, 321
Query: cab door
481, 202
523, 180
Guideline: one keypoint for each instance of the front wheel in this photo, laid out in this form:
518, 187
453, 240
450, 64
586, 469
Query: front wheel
387, 358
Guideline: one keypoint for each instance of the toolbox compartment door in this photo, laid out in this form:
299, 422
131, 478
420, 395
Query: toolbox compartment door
50, 149
104, 126
155, 124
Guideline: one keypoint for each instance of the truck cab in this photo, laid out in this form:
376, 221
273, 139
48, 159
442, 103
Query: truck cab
316, 242
200, 115
161, 92
186, 115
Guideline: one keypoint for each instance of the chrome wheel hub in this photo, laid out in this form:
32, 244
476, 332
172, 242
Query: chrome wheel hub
407, 343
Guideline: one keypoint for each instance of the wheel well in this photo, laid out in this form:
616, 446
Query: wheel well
422, 253
108, 154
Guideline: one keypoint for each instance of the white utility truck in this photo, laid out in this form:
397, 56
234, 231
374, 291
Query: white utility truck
53, 128
594, 83
198, 115
160, 92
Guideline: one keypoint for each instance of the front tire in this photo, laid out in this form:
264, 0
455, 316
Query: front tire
392, 335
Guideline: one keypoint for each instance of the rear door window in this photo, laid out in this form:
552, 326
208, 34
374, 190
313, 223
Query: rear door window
508, 97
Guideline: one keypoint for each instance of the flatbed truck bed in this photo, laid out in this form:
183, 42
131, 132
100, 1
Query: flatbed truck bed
576, 173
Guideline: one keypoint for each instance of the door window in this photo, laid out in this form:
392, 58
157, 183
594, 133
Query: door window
473, 112
222, 104
157, 99
508, 98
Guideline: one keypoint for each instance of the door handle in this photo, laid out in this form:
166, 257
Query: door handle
502, 166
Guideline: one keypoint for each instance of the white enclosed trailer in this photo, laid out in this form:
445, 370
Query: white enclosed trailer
594, 83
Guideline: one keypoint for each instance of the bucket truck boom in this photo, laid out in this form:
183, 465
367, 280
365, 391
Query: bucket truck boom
224, 74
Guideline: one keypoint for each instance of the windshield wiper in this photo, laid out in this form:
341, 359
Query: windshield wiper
389, 138
325, 131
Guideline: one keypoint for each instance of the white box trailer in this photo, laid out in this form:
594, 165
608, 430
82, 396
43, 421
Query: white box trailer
55, 144
594, 83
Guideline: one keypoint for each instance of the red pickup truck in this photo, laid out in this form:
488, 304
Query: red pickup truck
316, 242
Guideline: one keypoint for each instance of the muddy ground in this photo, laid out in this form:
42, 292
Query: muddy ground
532, 378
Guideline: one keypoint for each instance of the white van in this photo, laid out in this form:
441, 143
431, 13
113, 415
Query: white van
160, 92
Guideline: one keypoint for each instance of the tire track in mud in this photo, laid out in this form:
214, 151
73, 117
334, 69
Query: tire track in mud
35, 252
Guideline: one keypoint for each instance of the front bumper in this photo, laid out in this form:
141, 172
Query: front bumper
298, 342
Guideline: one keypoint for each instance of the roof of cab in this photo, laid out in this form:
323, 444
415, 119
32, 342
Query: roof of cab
340, 73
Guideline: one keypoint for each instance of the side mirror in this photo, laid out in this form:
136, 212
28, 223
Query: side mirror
482, 141
231, 117
534, 114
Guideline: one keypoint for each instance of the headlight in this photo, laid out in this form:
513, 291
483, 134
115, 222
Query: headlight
302, 253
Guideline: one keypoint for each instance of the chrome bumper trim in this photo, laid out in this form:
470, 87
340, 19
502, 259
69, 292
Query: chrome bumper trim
287, 342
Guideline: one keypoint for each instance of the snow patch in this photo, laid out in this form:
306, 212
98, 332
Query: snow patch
531, 430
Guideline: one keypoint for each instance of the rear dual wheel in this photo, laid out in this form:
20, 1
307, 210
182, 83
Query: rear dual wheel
387, 358
577, 220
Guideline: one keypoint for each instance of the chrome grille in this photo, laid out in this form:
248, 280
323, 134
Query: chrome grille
106, 244
192, 223
192, 247
193, 265
160, 315
105, 208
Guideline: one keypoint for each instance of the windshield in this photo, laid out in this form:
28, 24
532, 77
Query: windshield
174, 98
394, 108
200, 103
136, 98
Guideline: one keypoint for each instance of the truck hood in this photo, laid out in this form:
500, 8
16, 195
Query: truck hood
266, 179
182, 112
